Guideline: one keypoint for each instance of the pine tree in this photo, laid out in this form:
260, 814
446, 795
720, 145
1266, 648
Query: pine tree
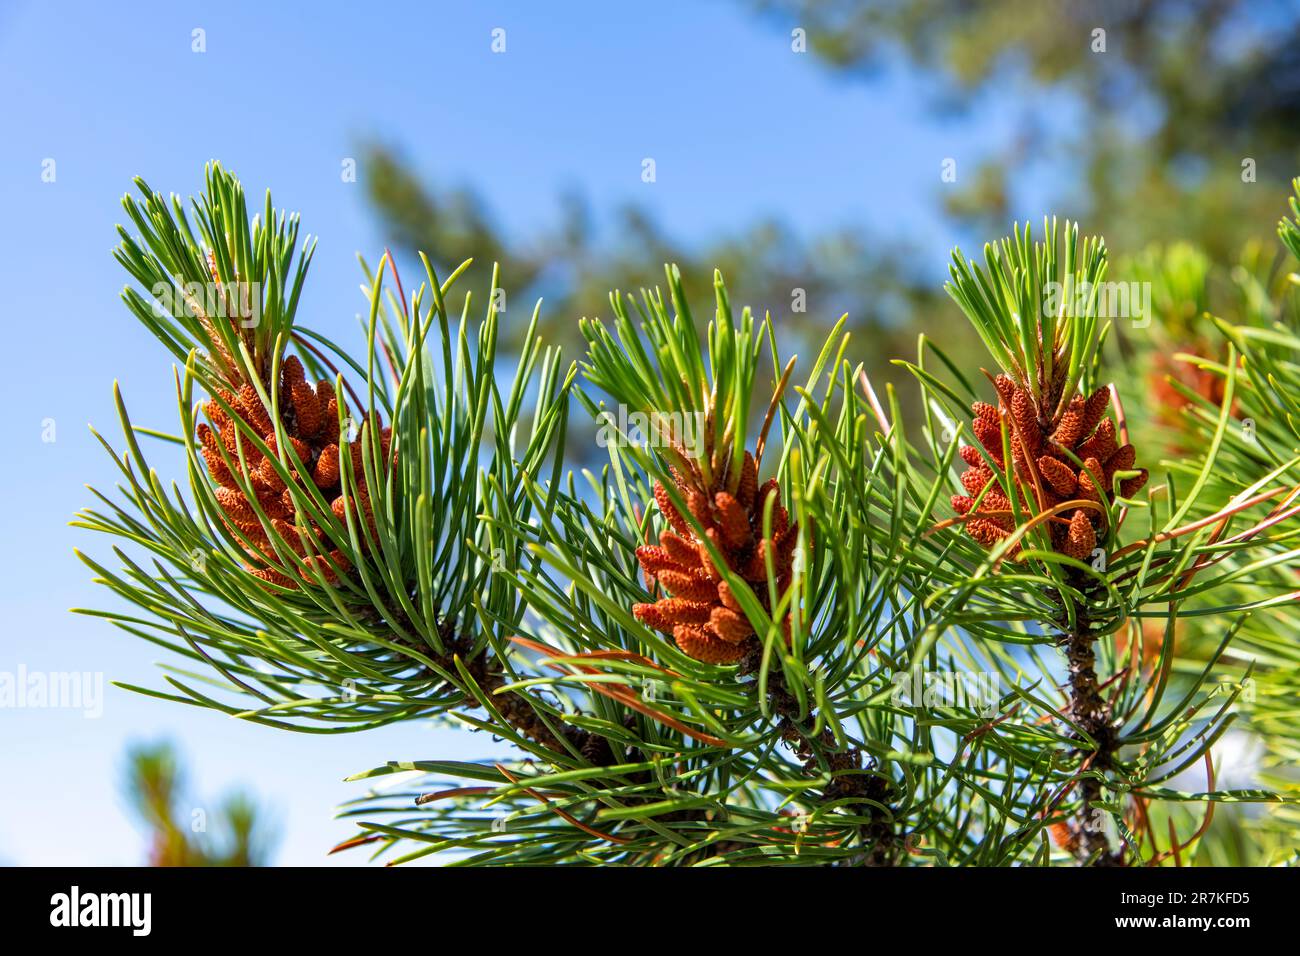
776, 628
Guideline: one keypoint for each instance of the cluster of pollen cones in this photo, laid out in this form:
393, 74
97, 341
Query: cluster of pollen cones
699, 609
310, 417
1046, 473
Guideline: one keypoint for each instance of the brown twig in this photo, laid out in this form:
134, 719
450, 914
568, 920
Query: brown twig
850, 781
1090, 711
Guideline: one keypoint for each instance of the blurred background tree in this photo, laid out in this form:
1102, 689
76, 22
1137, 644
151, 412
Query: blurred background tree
1183, 111
237, 834
1180, 119
574, 265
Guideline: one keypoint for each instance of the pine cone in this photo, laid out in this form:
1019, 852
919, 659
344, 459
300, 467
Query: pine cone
700, 611
1083, 430
310, 416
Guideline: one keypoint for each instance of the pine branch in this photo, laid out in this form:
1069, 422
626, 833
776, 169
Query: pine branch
722, 670
1092, 713
667, 384
852, 784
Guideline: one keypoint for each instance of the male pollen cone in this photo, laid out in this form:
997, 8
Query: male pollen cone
310, 416
698, 609
1040, 446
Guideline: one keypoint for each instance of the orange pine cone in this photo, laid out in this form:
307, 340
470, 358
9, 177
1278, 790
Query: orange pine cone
975, 480
1026, 419
986, 532
669, 511
253, 411
699, 609
1093, 409
688, 585
987, 427
326, 473
1089, 476
729, 625
698, 643
1006, 389
679, 550
1083, 434
668, 613
1131, 486
1070, 430
1059, 475
1122, 460
308, 417
210, 450
1081, 539
733, 520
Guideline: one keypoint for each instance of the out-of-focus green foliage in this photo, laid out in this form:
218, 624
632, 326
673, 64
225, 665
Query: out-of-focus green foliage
574, 265
1156, 104
1159, 117
236, 834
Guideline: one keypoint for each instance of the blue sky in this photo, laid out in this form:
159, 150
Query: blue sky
739, 126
